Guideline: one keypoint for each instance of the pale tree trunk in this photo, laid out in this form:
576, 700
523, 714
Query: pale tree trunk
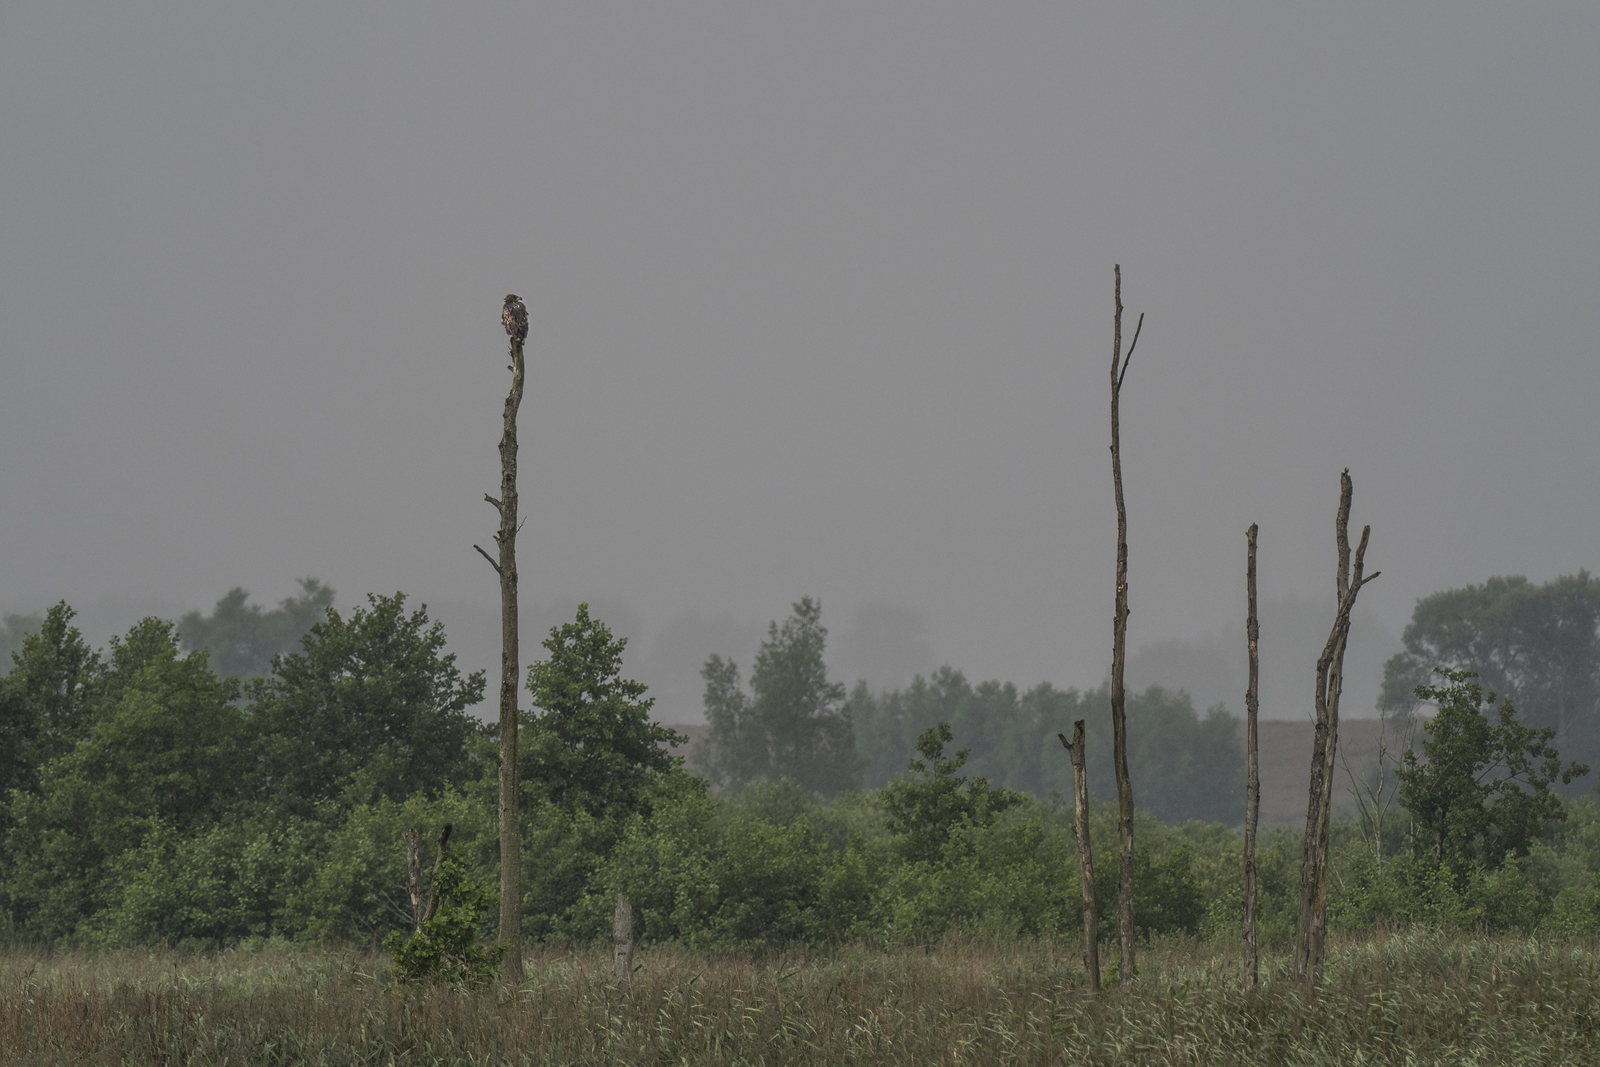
414, 875
1080, 829
433, 880
622, 941
506, 567
1119, 649
1312, 939
1252, 792
421, 913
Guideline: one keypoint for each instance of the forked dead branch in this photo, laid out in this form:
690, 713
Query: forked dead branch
1313, 927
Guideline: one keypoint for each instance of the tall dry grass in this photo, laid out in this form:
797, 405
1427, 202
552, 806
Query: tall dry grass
1406, 998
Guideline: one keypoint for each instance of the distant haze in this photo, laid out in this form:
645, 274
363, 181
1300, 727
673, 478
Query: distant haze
821, 305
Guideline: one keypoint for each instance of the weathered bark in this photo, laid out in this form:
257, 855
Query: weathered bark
1080, 830
1252, 789
506, 567
421, 913
433, 879
1119, 649
1330, 683
622, 941
414, 875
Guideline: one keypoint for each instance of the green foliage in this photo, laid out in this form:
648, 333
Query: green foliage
592, 746
244, 639
135, 808
1167, 895
46, 699
1414, 889
591, 760
163, 752
207, 887
151, 805
372, 707
353, 887
1484, 792
448, 947
712, 877
934, 801
1577, 910
1185, 766
793, 723
1538, 645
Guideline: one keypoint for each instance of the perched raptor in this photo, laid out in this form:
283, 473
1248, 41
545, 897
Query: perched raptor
515, 318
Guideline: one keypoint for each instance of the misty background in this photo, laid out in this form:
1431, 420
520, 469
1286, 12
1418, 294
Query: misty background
821, 304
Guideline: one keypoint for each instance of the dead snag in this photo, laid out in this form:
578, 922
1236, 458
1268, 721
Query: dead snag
413, 875
1119, 648
622, 941
433, 879
1330, 681
1252, 789
421, 913
514, 317
1080, 830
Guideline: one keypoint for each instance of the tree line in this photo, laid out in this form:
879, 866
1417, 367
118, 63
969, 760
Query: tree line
150, 797
793, 722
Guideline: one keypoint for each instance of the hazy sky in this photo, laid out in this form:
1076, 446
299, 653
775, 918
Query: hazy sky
821, 304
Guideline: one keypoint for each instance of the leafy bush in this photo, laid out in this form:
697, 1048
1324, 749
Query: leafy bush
1167, 897
1420, 890
447, 948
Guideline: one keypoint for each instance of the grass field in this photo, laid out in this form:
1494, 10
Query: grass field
1417, 997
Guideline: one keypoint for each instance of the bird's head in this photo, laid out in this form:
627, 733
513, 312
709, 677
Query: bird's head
512, 298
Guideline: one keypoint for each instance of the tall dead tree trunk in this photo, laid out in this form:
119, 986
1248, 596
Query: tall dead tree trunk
506, 567
1080, 830
1252, 789
1119, 648
1312, 939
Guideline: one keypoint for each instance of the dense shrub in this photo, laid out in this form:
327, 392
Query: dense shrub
449, 947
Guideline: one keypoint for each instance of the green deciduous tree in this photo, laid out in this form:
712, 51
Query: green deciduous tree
372, 706
592, 763
46, 699
1538, 645
792, 723
162, 752
934, 800
1484, 791
244, 638
590, 744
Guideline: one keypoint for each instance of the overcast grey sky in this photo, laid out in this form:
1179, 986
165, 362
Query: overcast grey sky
821, 304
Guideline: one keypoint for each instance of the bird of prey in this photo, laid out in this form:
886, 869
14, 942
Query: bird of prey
515, 318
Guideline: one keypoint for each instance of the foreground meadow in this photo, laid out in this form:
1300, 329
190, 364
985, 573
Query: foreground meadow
1418, 997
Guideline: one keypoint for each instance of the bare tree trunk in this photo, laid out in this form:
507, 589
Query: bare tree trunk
1119, 649
1330, 682
1080, 830
1252, 789
414, 875
433, 879
506, 567
622, 941
421, 913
